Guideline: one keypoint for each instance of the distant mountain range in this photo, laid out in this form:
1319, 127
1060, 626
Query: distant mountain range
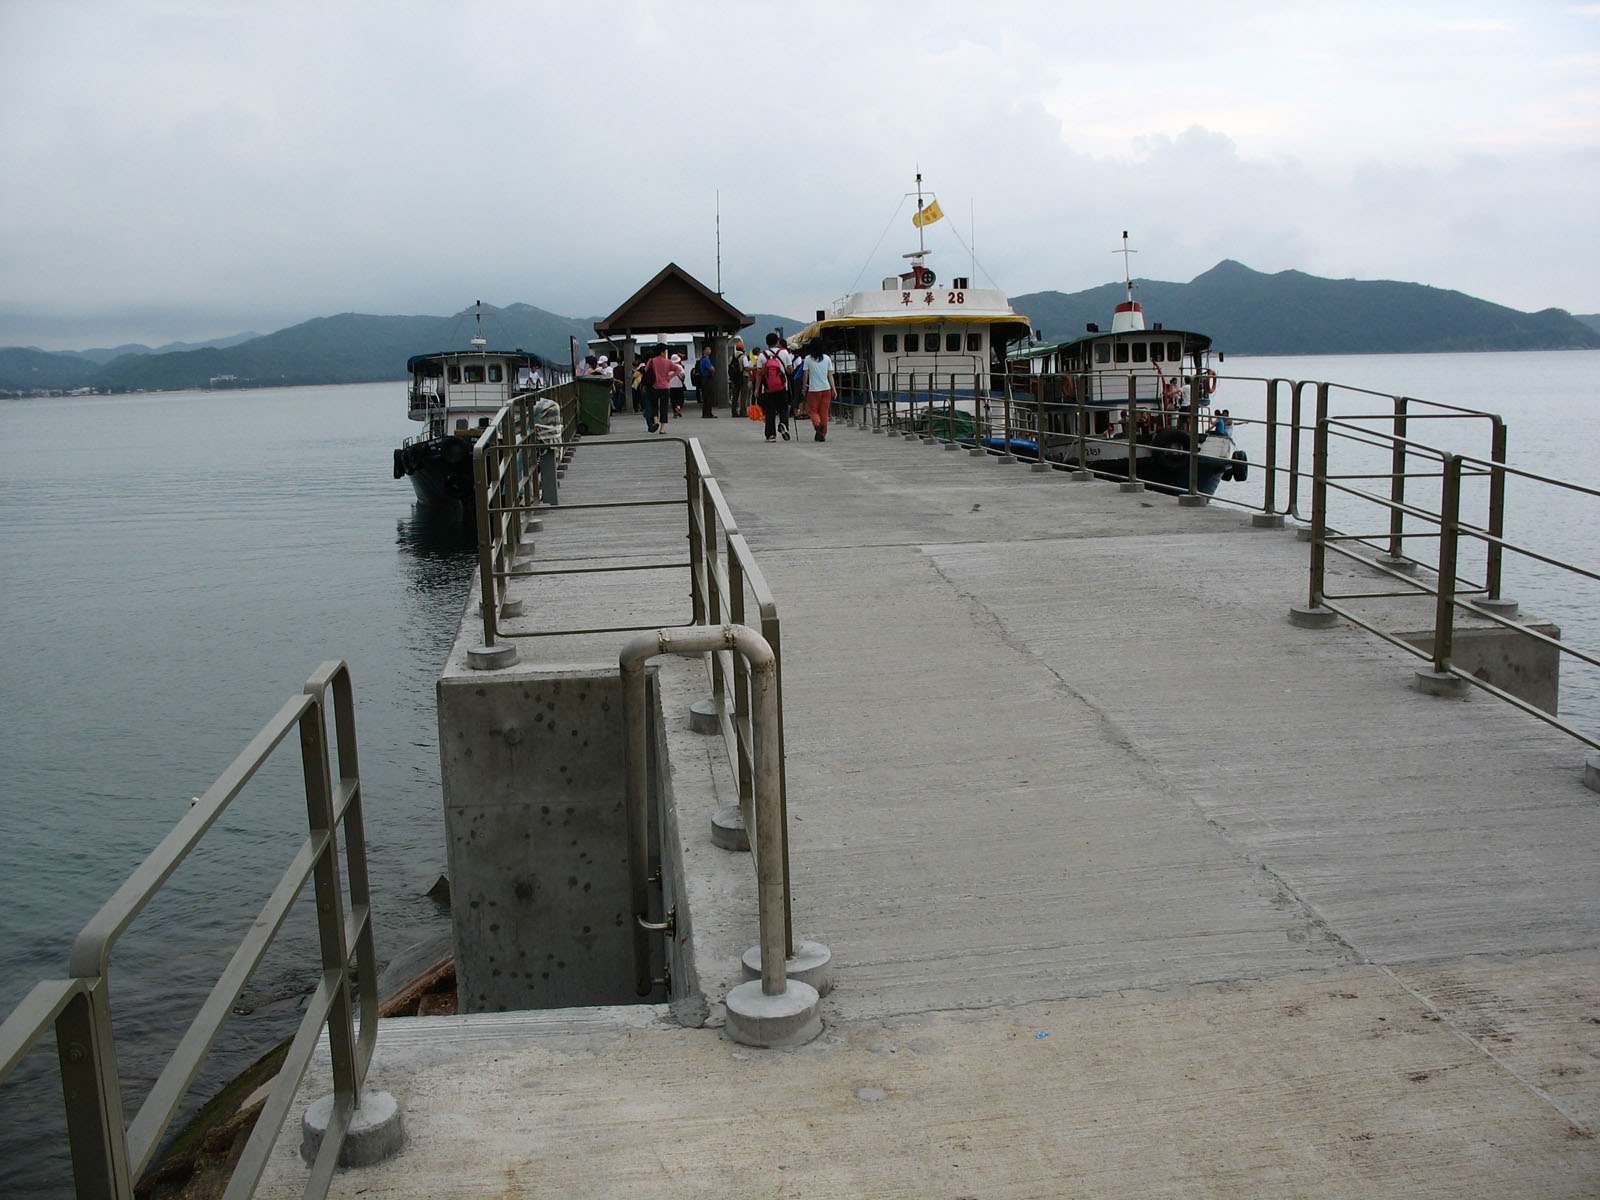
1244, 311
1247, 312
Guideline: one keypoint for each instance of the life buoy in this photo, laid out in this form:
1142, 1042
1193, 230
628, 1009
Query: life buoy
1211, 381
1069, 387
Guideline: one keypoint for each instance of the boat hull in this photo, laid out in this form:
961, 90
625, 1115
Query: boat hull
1165, 469
440, 470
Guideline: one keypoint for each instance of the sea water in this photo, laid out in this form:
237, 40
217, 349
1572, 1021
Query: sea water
176, 565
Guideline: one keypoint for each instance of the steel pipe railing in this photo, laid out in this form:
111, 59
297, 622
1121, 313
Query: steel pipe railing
108, 1158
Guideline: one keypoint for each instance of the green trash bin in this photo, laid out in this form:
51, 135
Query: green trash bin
594, 404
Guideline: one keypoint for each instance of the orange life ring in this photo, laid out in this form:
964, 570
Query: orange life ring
1069, 387
1211, 381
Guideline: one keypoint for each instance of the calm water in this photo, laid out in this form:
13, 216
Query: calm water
175, 566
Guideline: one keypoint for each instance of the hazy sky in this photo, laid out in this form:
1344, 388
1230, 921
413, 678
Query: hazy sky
179, 170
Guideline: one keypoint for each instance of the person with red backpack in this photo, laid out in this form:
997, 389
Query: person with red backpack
772, 386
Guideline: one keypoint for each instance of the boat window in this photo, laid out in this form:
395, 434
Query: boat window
496, 373
455, 373
1174, 352
1122, 351
474, 373
1138, 351
911, 343
891, 343
952, 341
1157, 351
1102, 352
461, 422
974, 342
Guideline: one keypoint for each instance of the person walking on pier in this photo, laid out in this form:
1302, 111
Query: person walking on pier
738, 377
705, 372
820, 390
773, 388
658, 378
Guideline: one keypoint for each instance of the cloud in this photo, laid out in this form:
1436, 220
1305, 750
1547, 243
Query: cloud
212, 160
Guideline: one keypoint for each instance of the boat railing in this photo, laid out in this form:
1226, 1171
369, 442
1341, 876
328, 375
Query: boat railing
108, 1156
726, 586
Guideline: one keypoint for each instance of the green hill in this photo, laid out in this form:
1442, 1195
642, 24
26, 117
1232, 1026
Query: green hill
349, 348
1244, 311
1247, 312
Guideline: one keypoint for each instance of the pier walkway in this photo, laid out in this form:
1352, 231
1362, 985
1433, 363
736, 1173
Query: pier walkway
1132, 888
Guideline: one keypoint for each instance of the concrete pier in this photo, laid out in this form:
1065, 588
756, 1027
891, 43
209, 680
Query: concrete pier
1132, 886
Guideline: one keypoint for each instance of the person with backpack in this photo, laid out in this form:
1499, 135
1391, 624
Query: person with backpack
772, 387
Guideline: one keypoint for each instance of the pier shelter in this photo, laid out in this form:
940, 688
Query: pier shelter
674, 301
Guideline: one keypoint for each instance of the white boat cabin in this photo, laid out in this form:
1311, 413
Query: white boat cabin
459, 392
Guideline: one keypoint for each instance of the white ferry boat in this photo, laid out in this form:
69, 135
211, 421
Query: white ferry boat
1158, 381
914, 336
455, 394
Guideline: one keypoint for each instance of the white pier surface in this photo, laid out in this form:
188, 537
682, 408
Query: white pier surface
1133, 888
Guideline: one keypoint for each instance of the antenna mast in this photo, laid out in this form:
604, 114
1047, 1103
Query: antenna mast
1127, 273
719, 241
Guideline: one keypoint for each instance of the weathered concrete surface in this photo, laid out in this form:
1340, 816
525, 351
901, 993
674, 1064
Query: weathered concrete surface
1059, 764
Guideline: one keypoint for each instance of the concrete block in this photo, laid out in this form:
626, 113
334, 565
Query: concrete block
703, 717
376, 1130
1267, 520
811, 963
1438, 683
1193, 500
492, 658
1505, 657
536, 838
790, 1019
1313, 617
728, 831
1130, 485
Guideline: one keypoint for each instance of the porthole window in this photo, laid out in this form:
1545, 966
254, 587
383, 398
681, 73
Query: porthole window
1157, 351
974, 342
1102, 353
455, 374
474, 373
496, 373
1174, 352
952, 341
891, 343
911, 343
1139, 349
1122, 352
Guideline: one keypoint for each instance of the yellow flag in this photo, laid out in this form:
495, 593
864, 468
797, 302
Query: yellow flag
927, 216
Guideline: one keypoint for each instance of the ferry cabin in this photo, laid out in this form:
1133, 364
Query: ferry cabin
914, 335
459, 392
1163, 365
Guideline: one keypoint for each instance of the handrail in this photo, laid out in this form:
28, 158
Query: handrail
723, 580
1313, 435
109, 1157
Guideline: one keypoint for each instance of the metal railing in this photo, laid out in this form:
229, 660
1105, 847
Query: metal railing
108, 1157
1366, 470
726, 586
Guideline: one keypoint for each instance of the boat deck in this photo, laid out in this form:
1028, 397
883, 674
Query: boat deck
1132, 888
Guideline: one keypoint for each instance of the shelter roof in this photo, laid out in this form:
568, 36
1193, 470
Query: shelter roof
673, 302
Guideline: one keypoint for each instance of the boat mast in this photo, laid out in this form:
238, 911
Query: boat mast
1127, 273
